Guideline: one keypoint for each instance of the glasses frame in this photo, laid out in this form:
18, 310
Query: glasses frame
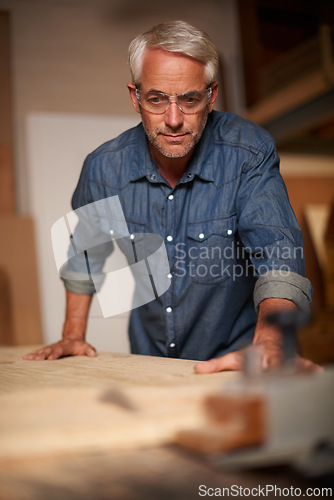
176, 96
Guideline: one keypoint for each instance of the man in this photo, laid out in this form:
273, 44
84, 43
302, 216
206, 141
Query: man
208, 183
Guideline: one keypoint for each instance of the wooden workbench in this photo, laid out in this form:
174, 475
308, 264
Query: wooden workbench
102, 428
111, 402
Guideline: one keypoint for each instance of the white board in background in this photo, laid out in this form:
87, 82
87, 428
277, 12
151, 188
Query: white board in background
57, 145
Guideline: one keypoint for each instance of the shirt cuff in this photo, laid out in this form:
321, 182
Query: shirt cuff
83, 287
283, 285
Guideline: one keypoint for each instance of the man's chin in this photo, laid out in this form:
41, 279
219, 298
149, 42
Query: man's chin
175, 150
174, 155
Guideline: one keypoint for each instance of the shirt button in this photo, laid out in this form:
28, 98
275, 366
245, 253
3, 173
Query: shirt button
132, 236
169, 238
201, 236
152, 177
169, 275
229, 232
172, 344
171, 197
189, 175
169, 309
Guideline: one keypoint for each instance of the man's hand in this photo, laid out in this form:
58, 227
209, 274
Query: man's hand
236, 361
267, 339
66, 347
232, 361
73, 343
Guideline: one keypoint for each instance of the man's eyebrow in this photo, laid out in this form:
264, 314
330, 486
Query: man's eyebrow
155, 90
181, 93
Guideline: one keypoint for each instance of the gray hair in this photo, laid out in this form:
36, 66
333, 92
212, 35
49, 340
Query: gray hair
174, 36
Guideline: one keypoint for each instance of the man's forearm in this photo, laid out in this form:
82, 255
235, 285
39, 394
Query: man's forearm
269, 336
77, 309
266, 307
73, 342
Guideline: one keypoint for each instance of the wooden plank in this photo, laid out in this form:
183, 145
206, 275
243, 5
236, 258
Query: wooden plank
329, 247
288, 98
233, 422
22, 322
290, 66
320, 224
7, 194
316, 217
6, 313
111, 402
7, 190
252, 50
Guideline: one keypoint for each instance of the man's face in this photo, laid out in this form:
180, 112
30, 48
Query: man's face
172, 134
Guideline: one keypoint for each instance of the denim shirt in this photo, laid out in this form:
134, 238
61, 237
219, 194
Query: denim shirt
230, 234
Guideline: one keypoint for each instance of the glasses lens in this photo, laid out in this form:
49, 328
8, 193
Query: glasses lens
155, 102
192, 102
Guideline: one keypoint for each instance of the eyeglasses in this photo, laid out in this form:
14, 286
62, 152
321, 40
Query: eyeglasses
189, 102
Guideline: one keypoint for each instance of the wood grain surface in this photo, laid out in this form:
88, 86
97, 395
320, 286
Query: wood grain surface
100, 429
111, 402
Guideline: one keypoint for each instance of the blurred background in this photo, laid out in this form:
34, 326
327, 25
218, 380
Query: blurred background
63, 72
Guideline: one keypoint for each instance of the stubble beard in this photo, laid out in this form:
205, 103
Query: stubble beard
153, 137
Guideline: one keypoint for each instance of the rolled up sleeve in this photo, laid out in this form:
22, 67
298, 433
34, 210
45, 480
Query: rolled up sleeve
82, 286
283, 285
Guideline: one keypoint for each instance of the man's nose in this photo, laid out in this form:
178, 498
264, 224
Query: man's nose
174, 116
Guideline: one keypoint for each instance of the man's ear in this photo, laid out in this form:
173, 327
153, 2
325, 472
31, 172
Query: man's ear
134, 100
214, 95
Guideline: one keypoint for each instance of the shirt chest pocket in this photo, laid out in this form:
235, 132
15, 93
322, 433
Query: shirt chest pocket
211, 250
